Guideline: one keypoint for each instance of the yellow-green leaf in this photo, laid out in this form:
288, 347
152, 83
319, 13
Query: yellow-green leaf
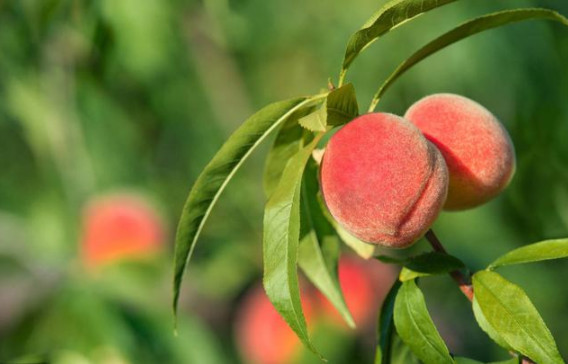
511, 314
544, 250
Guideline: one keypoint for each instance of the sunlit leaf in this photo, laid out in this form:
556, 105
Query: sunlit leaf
544, 250
509, 311
463, 31
319, 246
486, 326
280, 246
217, 174
416, 328
385, 326
339, 108
391, 15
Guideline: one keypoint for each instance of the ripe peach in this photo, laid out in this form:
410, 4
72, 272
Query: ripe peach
120, 226
477, 148
382, 180
262, 335
365, 284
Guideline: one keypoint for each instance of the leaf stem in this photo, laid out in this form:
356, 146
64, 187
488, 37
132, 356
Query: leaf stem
463, 281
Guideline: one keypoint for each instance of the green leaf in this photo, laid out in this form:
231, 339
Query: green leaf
415, 327
431, 263
385, 326
466, 361
391, 260
512, 315
401, 353
319, 246
460, 360
217, 174
463, 31
486, 326
544, 250
280, 246
287, 143
390, 16
339, 108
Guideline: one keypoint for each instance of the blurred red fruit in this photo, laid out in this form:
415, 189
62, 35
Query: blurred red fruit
364, 283
262, 335
120, 226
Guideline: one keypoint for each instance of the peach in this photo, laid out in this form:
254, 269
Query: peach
120, 226
382, 180
262, 335
477, 148
365, 284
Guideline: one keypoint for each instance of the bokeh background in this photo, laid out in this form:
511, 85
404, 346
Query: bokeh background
124, 102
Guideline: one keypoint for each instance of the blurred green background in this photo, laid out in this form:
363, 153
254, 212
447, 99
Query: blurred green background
137, 95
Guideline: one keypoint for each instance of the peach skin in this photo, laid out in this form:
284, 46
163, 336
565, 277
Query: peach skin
382, 180
478, 150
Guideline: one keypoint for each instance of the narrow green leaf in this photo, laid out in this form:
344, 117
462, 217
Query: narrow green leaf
431, 263
217, 174
385, 326
463, 31
416, 328
509, 311
544, 250
287, 143
319, 249
280, 246
390, 16
339, 108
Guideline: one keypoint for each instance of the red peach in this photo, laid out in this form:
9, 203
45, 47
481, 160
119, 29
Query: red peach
120, 226
364, 283
478, 150
262, 335
382, 180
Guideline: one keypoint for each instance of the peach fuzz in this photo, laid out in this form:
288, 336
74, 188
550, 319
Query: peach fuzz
262, 335
120, 226
382, 180
477, 148
364, 284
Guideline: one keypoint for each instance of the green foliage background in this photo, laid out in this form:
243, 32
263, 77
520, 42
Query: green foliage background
130, 94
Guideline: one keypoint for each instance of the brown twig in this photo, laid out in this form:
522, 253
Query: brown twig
463, 281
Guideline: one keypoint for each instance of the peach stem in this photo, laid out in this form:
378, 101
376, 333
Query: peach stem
462, 280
